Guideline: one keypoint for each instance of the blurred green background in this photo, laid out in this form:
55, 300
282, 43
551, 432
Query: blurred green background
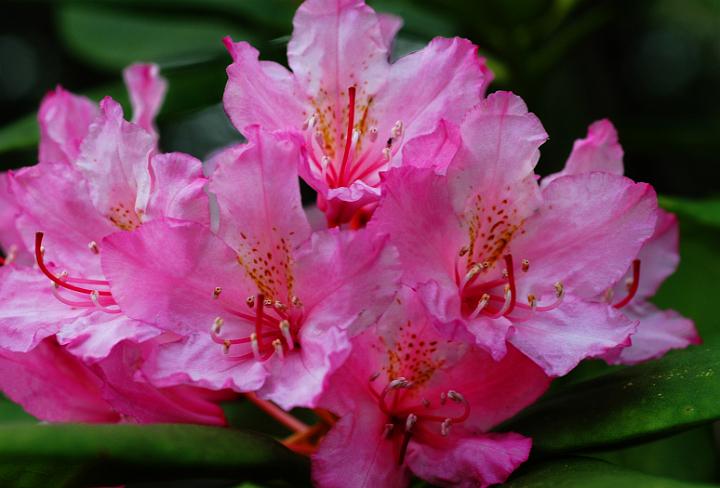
651, 66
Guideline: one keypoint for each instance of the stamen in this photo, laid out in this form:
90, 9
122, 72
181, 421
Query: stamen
474, 270
374, 376
217, 291
217, 325
92, 245
532, 301
277, 345
506, 306
310, 122
349, 134
259, 312
285, 330
445, 427
387, 153
480, 306
559, 294
254, 345
94, 297
226, 346
268, 302
279, 306
397, 129
463, 251
373, 132
250, 301
295, 301
633, 287
409, 424
39, 255
525, 265
387, 431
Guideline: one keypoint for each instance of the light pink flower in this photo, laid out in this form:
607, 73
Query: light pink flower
56, 386
410, 401
63, 211
354, 107
659, 331
498, 260
264, 305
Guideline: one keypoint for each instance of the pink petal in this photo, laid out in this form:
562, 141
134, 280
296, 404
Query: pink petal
30, 313
599, 151
147, 91
114, 158
54, 200
260, 92
94, 335
138, 400
180, 263
478, 461
64, 120
417, 213
659, 332
659, 256
258, 194
346, 279
559, 339
389, 27
500, 150
354, 453
11, 241
178, 189
337, 44
53, 385
435, 149
298, 380
196, 360
590, 228
441, 81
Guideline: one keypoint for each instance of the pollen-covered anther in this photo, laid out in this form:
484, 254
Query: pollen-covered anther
482, 303
445, 427
525, 265
355, 137
285, 330
217, 325
250, 301
398, 383
277, 345
279, 305
93, 247
532, 301
410, 422
456, 397
254, 345
310, 122
268, 302
559, 289
217, 291
226, 346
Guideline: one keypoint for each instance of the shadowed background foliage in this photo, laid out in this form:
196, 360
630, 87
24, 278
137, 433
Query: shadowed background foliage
651, 66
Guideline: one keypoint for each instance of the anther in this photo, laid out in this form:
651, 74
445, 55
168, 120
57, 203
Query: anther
455, 396
355, 137
398, 383
217, 291
525, 265
277, 345
532, 301
397, 129
325, 160
445, 427
484, 300
463, 251
373, 133
285, 330
295, 301
505, 273
410, 422
387, 153
559, 289
388, 430
217, 325
310, 122
250, 301
280, 305
319, 138
268, 302
92, 245
226, 346
254, 345
374, 376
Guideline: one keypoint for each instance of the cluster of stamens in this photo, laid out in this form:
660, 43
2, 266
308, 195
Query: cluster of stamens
276, 327
498, 297
407, 416
355, 164
97, 297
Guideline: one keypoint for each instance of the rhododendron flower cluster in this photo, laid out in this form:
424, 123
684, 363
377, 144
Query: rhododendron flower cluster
446, 288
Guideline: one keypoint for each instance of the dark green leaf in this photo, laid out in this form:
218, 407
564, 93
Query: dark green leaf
703, 211
63, 455
633, 404
589, 473
13, 413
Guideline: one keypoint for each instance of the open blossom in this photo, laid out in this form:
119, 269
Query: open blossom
659, 330
65, 208
354, 108
498, 260
263, 305
410, 401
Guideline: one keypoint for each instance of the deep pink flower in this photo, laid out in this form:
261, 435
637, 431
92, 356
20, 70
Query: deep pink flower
495, 257
410, 401
354, 107
116, 181
56, 386
263, 305
659, 330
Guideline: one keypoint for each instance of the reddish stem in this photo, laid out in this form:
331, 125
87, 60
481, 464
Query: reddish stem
277, 413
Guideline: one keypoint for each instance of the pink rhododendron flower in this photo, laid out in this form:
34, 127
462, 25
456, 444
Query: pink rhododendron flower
263, 305
354, 107
410, 401
66, 208
659, 331
56, 386
498, 260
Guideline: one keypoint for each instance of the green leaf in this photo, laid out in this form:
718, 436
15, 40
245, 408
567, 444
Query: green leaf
64, 455
13, 413
589, 473
689, 456
630, 405
21, 134
112, 38
703, 211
